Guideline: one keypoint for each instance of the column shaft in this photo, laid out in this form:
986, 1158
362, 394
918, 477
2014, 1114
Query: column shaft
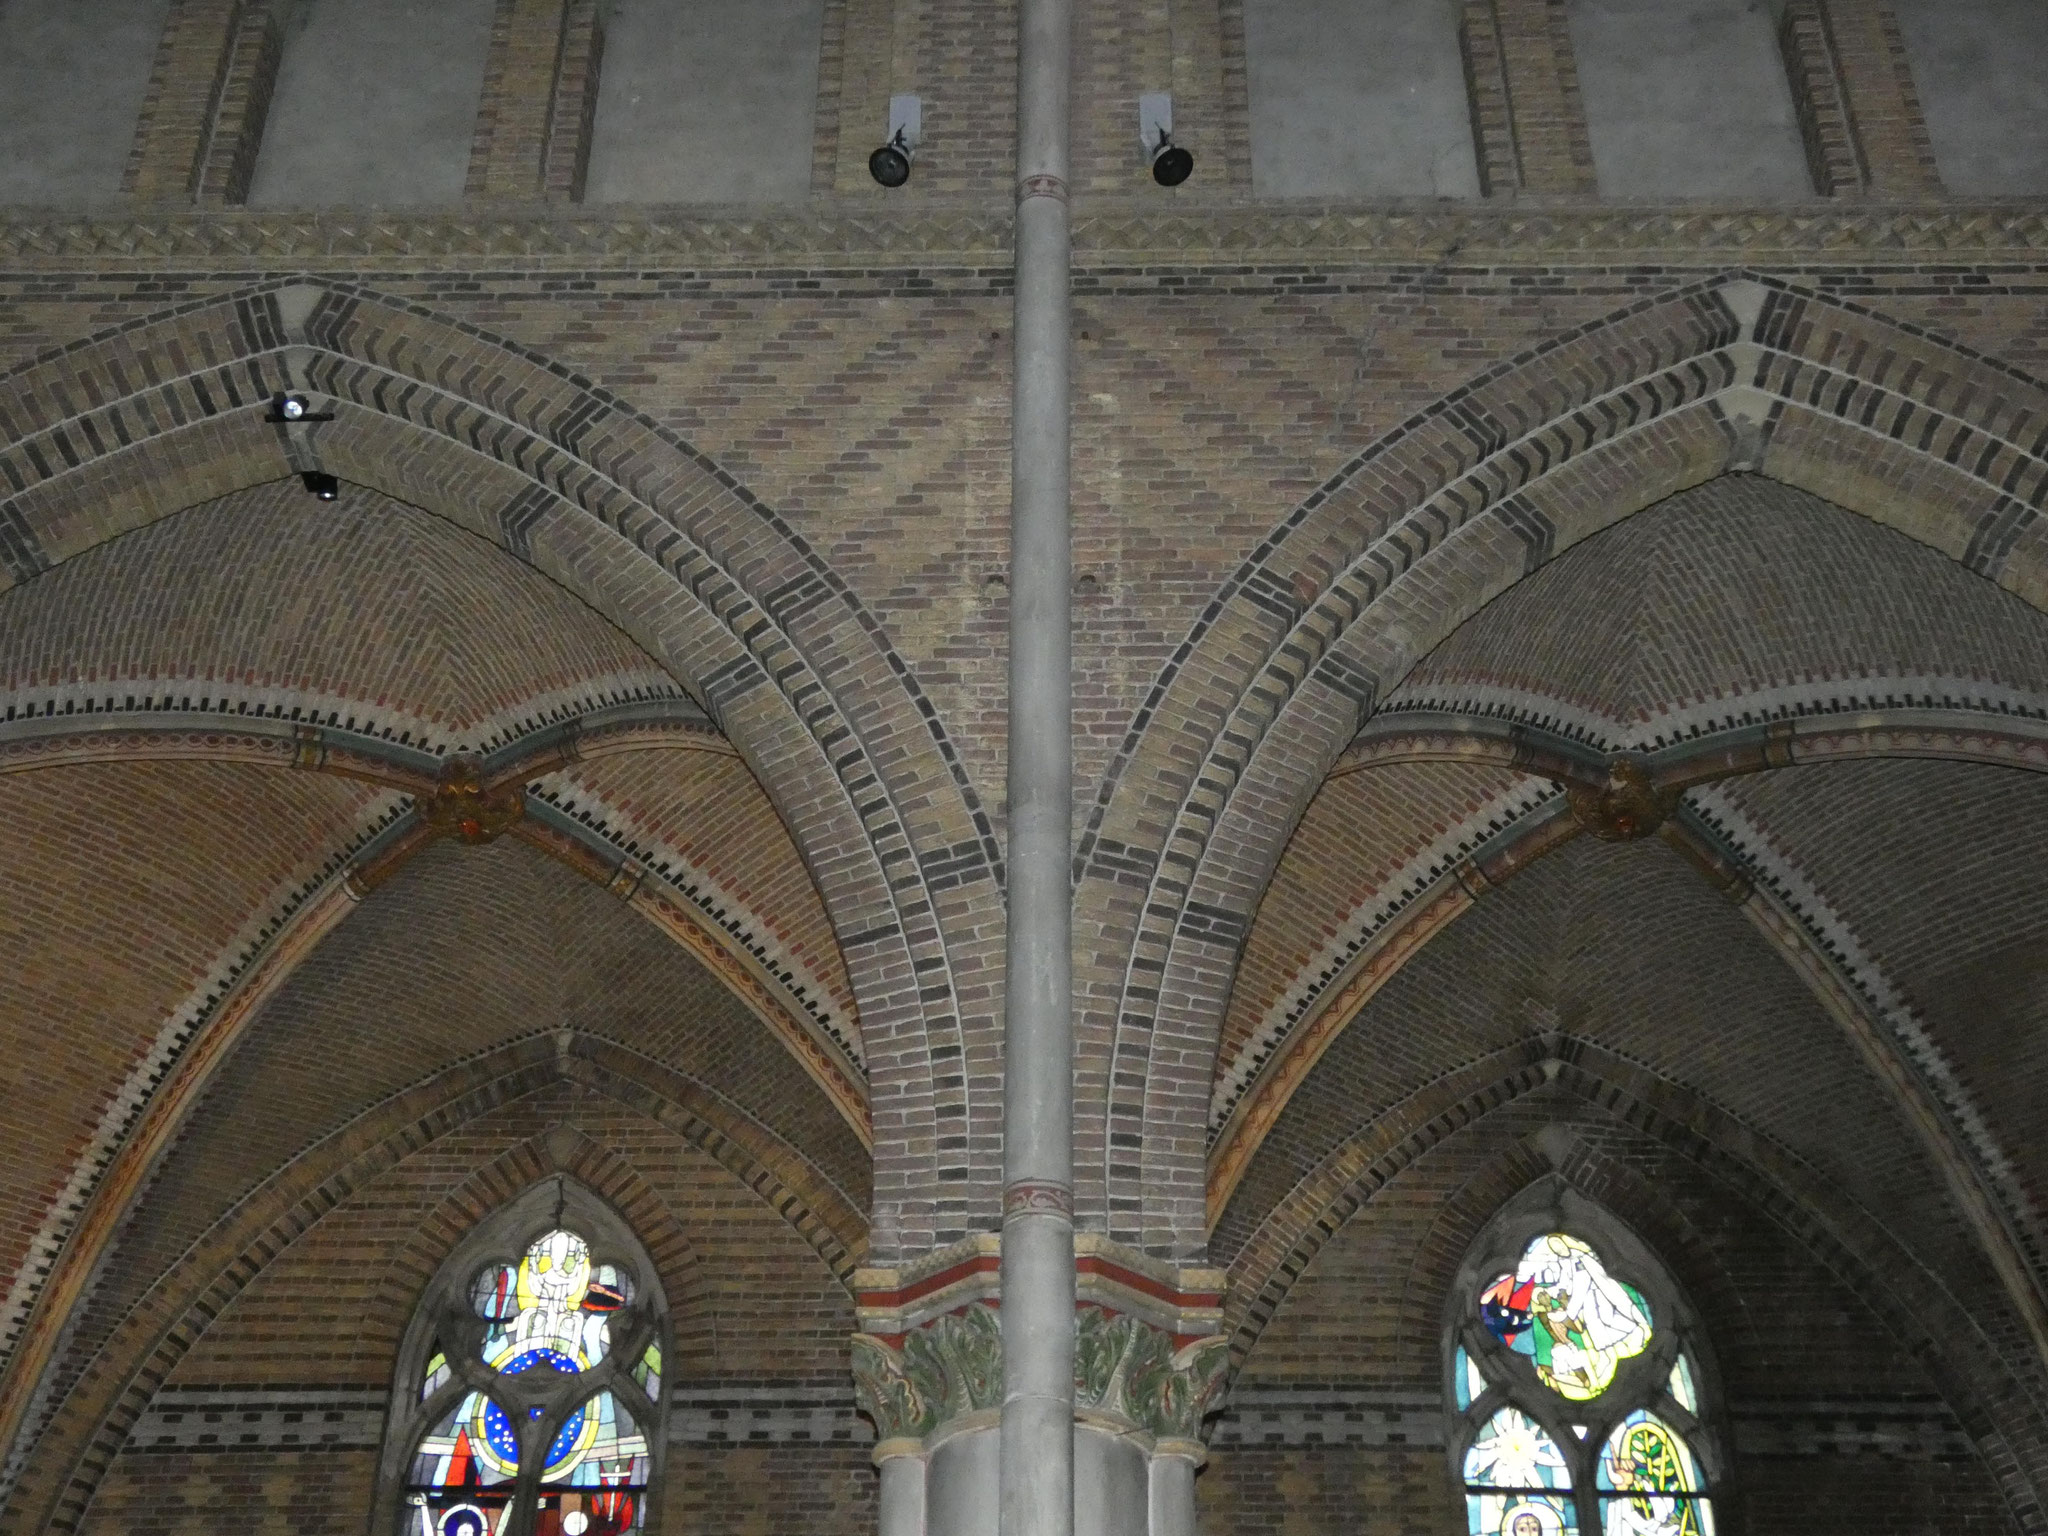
1037, 1435
900, 1507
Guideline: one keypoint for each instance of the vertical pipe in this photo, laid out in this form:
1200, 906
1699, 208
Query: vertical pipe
1037, 1435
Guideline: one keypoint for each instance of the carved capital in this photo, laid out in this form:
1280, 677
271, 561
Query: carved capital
950, 1366
883, 1390
460, 805
1125, 1367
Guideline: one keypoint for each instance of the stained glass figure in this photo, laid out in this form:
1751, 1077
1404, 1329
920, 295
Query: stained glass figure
551, 1314
1517, 1482
1649, 1483
1562, 1309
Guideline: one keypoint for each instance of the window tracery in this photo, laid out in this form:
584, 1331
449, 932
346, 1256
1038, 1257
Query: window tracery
529, 1398
1575, 1378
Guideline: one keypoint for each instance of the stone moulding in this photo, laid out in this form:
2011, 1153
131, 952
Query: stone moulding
975, 236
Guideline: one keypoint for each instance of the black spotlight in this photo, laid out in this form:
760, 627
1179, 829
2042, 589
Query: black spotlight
321, 484
1171, 165
890, 165
290, 408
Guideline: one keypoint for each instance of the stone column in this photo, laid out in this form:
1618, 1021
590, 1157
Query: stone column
900, 1507
1174, 1464
1037, 1464
1147, 1369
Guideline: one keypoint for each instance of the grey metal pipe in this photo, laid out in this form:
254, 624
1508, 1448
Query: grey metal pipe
1037, 1435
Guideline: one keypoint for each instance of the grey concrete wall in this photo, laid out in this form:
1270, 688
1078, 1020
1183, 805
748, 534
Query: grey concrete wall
376, 103
701, 101
1687, 99
72, 75
1358, 99
1981, 67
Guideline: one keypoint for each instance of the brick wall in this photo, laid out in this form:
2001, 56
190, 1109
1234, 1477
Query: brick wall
314, 1334
812, 407
1336, 1418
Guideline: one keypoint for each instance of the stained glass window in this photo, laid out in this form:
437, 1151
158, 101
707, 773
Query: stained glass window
1470, 1385
1649, 1482
1517, 1482
1601, 1396
1681, 1388
540, 1395
1562, 1308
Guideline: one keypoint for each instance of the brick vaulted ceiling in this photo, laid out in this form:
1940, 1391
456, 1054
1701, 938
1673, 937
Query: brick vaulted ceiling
1915, 868
161, 867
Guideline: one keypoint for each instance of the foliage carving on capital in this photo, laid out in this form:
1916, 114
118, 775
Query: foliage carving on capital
1125, 1366
950, 1366
885, 1393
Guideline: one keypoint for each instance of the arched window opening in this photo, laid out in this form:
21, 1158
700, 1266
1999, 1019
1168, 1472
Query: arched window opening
1575, 1378
529, 1395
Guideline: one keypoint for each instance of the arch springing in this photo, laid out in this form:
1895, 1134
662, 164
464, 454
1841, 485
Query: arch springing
529, 1394
1575, 1382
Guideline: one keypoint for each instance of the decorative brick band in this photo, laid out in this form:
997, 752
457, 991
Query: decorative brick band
1906, 1427
828, 233
212, 1420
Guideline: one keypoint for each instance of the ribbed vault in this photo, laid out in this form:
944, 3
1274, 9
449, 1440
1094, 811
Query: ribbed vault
1842, 729
1497, 482
224, 732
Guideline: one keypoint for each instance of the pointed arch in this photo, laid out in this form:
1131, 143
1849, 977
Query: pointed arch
70, 1441
560, 1152
119, 429
1638, 1363
2000, 1409
1798, 923
1293, 653
608, 1338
